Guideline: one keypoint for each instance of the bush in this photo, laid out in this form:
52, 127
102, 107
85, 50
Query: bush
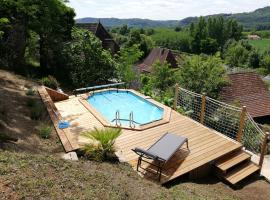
36, 111
30, 103
30, 92
102, 148
44, 131
50, 82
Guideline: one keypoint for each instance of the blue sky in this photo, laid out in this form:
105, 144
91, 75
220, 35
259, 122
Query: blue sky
161, 9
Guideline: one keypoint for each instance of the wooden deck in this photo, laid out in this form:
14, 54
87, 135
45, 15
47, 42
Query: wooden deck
205, 145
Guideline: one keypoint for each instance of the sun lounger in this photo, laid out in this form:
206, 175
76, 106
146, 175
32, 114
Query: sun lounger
161, 151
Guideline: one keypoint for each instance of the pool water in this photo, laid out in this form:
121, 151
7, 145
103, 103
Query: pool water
109, 102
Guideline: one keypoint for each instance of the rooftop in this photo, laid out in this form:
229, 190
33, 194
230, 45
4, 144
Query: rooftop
249, 90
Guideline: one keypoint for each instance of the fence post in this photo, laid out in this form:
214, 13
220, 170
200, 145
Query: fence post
264, 148
241, 124
203, 108
176, 95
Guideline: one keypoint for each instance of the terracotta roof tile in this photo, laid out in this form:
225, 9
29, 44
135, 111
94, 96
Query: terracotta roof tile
157, 54
250, 90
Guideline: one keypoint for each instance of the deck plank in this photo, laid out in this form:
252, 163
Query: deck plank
206, 145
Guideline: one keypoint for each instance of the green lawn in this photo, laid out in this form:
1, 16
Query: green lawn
261, 45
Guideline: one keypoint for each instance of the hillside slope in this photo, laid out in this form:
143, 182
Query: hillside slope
32, 168
259, 18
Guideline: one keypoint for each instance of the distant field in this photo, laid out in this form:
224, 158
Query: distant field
261, 45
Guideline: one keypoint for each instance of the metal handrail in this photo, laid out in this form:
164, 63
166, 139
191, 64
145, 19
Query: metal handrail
77, 91
131, 120
117, 118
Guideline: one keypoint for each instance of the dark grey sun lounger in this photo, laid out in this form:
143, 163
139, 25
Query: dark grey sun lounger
161, 151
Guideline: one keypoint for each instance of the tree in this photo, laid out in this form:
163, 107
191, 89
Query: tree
51, 20
87, 62
124, 30
211, 34
162, 77
145, 42
254, 59
126, 58
266, 62
203, 74
236, 55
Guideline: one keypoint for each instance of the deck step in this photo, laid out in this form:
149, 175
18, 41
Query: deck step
231, 160
241, 172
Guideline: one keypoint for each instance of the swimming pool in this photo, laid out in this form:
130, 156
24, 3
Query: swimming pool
109, 102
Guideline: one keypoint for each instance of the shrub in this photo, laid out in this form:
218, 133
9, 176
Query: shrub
44, 131
30, 103
36, 111
50, 82
102, 147
30, 92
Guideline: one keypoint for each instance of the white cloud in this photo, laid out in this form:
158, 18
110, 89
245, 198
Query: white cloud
161, 9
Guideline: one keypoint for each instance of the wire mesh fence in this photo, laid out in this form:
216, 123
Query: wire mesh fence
190, 104
221, 117
253, 136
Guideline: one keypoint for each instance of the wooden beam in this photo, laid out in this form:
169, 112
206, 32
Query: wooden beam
203, 109
176, 95
241, 124
264, 148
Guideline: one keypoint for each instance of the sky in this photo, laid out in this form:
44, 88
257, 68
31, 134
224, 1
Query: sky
161, 9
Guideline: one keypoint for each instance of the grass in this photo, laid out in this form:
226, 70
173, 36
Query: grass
44, 131
262, 45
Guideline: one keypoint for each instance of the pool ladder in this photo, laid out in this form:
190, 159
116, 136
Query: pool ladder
118, 119
131, 120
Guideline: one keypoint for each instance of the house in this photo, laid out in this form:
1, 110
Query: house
157, 54
254, 37
99, 31
248, 89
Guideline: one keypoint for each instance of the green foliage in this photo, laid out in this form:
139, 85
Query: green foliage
103, 147
50, 82
36, 111
30, 102
44, 131
211, 35
5, 138
169, 38
203, 74
262, 71
261, 45
162, 77
266, 62
126, 58
87, 62
30, 92
237, 55
51, 20
254, 59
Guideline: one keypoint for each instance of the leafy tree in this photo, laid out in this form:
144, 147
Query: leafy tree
145, 42
87, 62
124, 30
162, 77
266, 62
203, 74
210, 36
254, 59
126, 58
237, 55
51, 20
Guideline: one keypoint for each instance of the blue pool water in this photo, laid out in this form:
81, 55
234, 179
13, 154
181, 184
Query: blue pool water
108, 102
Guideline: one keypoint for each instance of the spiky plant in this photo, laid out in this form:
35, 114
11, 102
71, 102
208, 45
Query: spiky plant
104, 147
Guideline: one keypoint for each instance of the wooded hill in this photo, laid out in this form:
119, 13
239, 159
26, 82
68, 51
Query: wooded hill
258, 19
